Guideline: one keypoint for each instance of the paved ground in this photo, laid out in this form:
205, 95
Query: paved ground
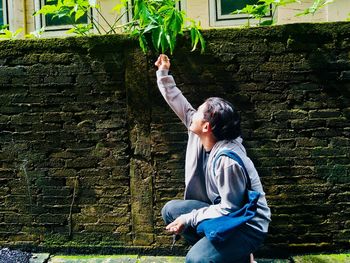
43, 258
47, 258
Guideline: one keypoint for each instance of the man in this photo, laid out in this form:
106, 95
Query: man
214, 126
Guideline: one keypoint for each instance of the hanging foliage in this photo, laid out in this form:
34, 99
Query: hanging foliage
156, 23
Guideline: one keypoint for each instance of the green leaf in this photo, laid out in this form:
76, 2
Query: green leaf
69, 3
193, 35
156, 38
135, 32
170, 43
164, 42
150, 27
160, 37
78, 14
80, 29
36, 33
177, 22
165, 9
143, 43
316, 5
266, 23
201, 39
196, 37
8, 34
47, 9
118, 7
17, 32
160, 23
4, 27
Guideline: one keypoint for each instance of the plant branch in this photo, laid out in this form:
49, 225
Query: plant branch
98, 11
70, 220
118, 19
95, 24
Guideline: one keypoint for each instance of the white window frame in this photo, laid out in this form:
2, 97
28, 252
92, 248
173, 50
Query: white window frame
182, 5
216, 19
40, 22
127, 16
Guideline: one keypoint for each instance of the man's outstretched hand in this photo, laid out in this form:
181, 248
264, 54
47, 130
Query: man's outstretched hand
163, 62
176, 227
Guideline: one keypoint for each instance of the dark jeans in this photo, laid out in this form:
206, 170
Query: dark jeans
236, 249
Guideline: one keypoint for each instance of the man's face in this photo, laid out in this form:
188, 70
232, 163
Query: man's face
198, 120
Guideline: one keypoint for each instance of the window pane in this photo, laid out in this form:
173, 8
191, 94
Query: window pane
1, 13
228, 6
63, 20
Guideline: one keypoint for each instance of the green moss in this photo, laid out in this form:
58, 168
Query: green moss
95, 259
115, 258
91, 44
332, 258
55, 239
94, 256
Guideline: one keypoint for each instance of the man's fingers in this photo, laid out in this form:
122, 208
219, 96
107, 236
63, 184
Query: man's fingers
163, 62
165, 58
158, 62
172, 227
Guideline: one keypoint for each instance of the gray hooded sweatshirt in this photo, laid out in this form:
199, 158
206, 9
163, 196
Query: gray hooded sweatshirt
226, 182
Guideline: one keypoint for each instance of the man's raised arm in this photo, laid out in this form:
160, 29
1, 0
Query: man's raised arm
172, 95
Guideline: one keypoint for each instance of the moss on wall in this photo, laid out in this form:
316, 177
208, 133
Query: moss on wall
88, 109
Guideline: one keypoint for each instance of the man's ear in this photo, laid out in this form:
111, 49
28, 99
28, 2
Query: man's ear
206, 127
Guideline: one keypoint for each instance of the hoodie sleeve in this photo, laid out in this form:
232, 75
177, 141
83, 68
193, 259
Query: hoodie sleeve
174, 97
231, 185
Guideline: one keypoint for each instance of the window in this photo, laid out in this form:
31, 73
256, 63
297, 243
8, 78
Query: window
221, 12
3, 12
226, 6
56, 23
50, 21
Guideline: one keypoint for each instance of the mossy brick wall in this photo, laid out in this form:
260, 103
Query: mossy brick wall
64, 143
90, 152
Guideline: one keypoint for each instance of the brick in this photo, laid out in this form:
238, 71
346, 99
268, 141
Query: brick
52, 219
307, 124
311, 142
61, 58
100, 228
25, 118
316, 114
345, 75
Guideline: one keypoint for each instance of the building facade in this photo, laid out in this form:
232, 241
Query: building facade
211, 14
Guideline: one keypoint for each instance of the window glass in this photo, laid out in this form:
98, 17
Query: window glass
50, 21
1, 13
228, 6
220, 12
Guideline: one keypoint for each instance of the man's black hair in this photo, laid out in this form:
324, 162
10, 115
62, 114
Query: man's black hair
224, 119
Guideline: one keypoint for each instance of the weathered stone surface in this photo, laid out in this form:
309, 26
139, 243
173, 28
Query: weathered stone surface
141, 189
90, 152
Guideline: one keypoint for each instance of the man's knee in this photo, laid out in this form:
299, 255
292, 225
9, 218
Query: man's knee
193, 257
168, 211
